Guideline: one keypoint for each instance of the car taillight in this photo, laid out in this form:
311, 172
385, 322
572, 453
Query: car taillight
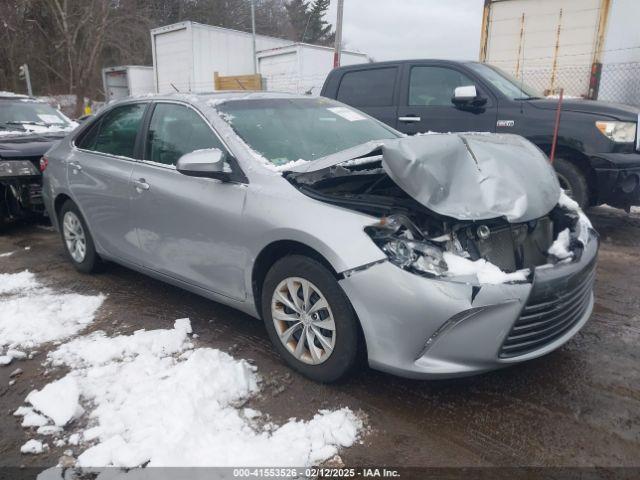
44, 162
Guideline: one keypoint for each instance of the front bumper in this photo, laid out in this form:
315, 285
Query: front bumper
617, 177
422, 327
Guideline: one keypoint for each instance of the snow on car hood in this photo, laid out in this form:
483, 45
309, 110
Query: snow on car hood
468, 176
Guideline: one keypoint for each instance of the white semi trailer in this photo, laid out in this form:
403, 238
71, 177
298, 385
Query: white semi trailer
127, 80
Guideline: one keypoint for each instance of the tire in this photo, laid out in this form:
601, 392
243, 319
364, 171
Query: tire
90, 261
573, 180
334, 364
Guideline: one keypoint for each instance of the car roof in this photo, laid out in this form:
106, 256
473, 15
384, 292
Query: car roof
358, 66
221, 96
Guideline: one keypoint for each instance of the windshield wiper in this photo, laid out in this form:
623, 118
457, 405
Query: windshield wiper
523, 99
41, 124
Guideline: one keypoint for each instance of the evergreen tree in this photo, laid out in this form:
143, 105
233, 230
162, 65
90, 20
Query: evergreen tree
319, 30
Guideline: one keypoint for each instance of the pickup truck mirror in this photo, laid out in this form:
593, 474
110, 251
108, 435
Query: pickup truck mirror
467, 96
208, 163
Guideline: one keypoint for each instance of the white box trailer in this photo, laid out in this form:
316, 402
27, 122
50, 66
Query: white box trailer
186, 55
586, 47
127, 80
301, 67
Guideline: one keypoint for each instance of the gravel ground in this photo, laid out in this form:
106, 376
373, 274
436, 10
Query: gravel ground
579, 406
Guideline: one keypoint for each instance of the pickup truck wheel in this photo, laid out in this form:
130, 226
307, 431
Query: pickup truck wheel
309, 319
77, 240
573, 181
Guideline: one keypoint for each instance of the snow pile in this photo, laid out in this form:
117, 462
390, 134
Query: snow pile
486, 272
560, 248
33, 446
31, 314
152, 397
7, 254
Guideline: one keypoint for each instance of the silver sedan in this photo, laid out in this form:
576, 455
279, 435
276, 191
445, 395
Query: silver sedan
429, 256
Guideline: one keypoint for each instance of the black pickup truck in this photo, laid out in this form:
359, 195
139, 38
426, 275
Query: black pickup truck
597, 154
28, 128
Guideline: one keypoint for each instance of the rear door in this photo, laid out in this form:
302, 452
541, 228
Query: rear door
188, 227
99, 175
425, 101
372, 90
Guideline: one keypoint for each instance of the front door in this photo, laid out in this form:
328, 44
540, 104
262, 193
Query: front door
426, 102
187, 226
99, 175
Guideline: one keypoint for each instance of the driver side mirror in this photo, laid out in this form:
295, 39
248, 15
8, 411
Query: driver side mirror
467, 96
209, 163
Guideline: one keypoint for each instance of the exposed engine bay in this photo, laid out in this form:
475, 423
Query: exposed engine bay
20, 190
420, 240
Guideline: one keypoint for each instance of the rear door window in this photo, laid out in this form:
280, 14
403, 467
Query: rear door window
435, 86
176, 130
116, 133
368, 88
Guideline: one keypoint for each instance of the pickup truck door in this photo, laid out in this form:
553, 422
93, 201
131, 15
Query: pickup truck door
426, 91
372, 90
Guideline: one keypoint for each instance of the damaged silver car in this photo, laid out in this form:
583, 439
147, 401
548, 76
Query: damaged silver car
431, 256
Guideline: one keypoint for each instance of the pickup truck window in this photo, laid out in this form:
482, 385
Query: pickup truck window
368, 88
509, 86
434, 86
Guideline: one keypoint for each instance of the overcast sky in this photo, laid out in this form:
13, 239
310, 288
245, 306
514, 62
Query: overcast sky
395, 29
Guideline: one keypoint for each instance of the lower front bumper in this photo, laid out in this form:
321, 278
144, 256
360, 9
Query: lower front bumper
617, 177
434, 328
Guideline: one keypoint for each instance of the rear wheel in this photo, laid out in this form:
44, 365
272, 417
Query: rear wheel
309, 319
77, 240
573, 181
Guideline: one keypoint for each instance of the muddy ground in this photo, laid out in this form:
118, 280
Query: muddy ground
579, 406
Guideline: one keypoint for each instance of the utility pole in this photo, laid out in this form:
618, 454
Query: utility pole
338, 47
23, 73
253, 31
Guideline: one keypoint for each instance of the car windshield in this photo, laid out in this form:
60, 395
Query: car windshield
507, 84
288, 129
31, 116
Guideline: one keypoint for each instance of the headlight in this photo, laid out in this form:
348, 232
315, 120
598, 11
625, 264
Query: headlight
619, 132
15, 168
405, 247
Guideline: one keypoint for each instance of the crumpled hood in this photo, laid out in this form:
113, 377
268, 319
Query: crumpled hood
474, 176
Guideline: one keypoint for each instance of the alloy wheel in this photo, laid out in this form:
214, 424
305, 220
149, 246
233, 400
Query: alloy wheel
303, 320
74, 237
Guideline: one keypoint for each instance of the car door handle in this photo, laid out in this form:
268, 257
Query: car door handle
141, 184
75, 166
409, 118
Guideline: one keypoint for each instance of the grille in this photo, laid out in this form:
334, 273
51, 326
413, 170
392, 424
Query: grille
550, 312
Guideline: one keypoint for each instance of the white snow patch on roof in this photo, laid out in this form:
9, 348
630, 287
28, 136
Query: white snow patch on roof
152, 397
485, 272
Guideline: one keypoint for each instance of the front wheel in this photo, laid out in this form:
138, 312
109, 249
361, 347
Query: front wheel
309, 319
77, 240
573, 181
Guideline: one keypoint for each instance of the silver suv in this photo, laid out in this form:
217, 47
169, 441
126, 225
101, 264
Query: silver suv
432, 256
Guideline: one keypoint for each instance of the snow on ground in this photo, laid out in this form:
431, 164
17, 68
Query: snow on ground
153, 397
6, 254
31, 314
